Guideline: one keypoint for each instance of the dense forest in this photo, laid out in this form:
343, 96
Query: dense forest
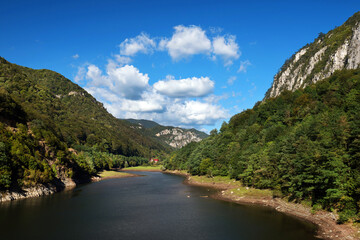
304, 145
52, 129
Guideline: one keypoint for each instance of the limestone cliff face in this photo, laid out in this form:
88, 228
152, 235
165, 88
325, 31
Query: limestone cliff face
338, 49
177, 137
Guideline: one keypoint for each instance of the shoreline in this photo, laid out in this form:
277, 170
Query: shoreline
328, 229
49, 189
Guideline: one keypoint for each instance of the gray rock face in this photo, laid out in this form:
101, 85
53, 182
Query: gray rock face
178, 137
338, 49
27, 192
36, 191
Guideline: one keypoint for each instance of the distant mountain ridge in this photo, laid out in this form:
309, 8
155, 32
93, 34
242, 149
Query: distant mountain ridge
336, 50
173, 136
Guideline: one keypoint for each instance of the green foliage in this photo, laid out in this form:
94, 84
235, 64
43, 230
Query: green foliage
54, 104
303, 144
43, 114
5, 170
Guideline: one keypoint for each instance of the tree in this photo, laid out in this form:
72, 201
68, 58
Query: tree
5, 170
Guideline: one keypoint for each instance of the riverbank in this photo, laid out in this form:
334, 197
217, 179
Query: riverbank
115, 174
232, 191
144, 169
37, 191
61, 185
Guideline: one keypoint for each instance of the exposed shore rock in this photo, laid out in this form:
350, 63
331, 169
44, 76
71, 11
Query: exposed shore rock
36, 191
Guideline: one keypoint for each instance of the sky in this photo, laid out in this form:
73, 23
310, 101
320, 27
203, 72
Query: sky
192, 64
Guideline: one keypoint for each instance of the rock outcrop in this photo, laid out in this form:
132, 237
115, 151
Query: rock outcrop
178, 138
175, 137
36, 191
338, 49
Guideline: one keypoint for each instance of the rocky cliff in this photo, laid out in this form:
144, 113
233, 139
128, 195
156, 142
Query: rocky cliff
338, 49
171, 136
177, 137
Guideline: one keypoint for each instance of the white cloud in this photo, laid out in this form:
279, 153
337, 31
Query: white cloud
186, 102
162, 109
126, 81
188, 87
95, 75
117, 105
215, 98
244, 65
186, 41
122, 59
103, 94
141, 106
141, 43
76, 56
231, 80
80, 74
196, 113
227, 48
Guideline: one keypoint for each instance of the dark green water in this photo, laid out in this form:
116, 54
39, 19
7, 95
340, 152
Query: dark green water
154, 206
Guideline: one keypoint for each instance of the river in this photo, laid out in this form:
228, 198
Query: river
154, 206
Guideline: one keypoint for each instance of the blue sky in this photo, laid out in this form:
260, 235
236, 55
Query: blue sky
181, 63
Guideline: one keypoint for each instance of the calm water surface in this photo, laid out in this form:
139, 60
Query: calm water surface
155, 206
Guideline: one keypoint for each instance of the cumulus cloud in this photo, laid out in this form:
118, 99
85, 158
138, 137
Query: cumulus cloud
117, 105
186, 41
196, 112
125, 92
227, 48
187, 102
126, 81
122, 59
95, 75
244, 65
76, 56
188, 87
141, 43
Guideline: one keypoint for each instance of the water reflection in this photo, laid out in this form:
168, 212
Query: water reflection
157, 206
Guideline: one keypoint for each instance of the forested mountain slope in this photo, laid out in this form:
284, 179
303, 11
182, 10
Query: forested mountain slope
303, 144
70, 111
51, 130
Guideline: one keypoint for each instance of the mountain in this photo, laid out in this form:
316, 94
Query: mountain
143, 123
53, 132
172, 136
73, 113
304, 145
303, 140
336, 50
